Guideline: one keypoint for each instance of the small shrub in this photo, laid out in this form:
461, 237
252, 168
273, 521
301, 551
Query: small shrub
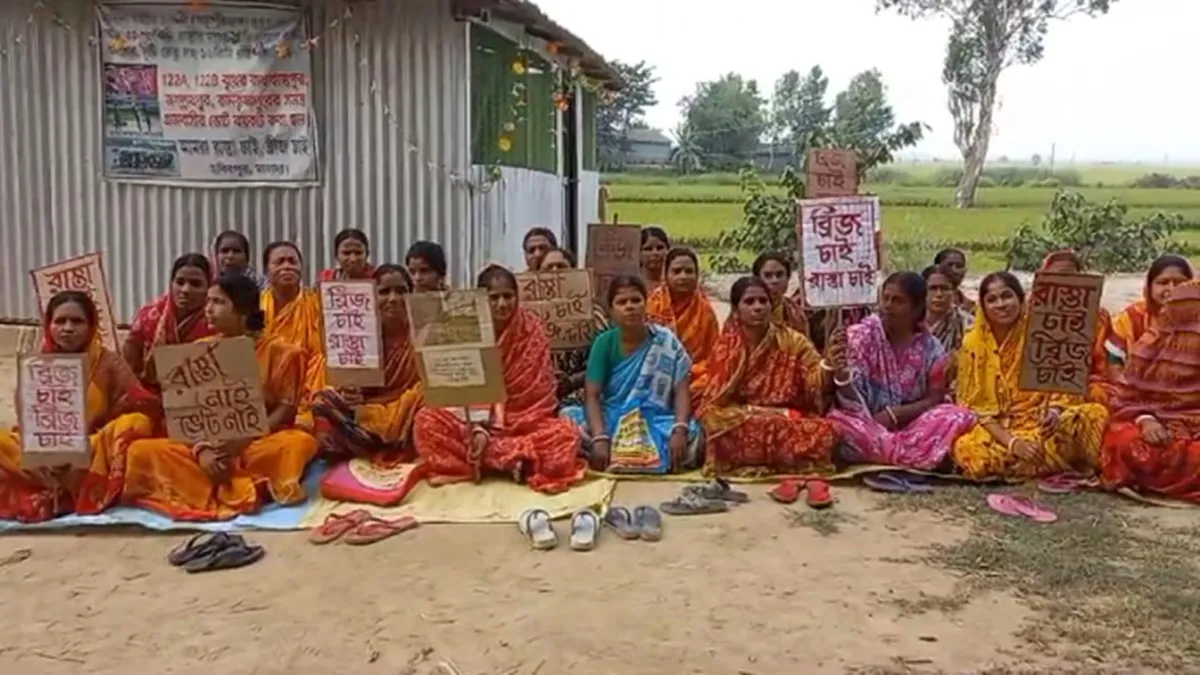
1155, 181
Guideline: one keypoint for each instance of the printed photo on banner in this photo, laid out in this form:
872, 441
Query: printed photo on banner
1063, 311
613, 251
86, 274
213, 94
564, 301
839, 246
457, 357
353, 344
52, 414
211, 391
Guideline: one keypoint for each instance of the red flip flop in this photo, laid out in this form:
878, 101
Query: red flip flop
335, 526
819, 495
787, 491
1020, 507
378, 529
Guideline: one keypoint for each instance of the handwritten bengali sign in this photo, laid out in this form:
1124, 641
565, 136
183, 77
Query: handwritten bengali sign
613, 251
84, 273
455, 340
211, 391
564, 301
353, 348
839, 244
52, 400
1063, 311
210, 94
830, 172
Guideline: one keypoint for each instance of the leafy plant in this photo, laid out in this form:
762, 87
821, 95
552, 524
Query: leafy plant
1104, 235
768, 220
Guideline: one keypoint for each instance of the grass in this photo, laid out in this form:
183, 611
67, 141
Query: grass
1113, 585
824, 522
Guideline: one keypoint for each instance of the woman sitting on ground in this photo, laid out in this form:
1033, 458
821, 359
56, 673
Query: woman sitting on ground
954, 261
761, 412
293, 314
537, 244
1100, 379
119, 411
637, 412
1153, 443
231, 253
681, 305
351, 249
892, 409
218, 481
176, 317
1020, 434
655, 244
523, 437
570, 365
775, 269
946, 320
377, 420
426, 262
1165, 273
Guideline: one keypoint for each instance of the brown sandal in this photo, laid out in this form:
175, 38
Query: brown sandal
335, 526
378, 529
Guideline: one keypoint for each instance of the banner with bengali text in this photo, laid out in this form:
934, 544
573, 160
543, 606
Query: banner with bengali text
212, 94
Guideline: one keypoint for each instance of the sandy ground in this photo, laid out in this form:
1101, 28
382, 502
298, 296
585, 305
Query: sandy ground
741, 593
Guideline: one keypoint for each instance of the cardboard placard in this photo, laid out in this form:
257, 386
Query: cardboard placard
211, 391
84, 273
52, 400
830, 172
564, 301
1063, 310
353, 342
457, 356
613, 251
839, 251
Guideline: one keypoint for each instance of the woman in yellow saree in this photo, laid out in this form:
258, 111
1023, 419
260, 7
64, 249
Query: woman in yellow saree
119, 410
1020, 434
220, 481
293, 314
377, 420
681, 305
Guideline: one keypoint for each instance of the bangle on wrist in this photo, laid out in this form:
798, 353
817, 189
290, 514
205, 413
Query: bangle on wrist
892, 415
842, 383
597, 439
679, 425
1143, 418
825, 366
1011, 442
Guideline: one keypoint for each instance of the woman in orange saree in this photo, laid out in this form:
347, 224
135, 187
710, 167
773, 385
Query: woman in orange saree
118, 409
220, 481
775, 269
1165, 273
524, 437
293, 314
351, 249
176, 317
681, 305
374, 420
655, 244
1153, 441
1099, 380
761, 413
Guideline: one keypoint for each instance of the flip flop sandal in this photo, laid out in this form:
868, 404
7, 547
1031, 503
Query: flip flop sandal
719, 490
787, 492
621, 521
377, 529
585, 528
201, 545
1020, 507
228, 558
819, 495
895, 483
649, 522
690, 504
337, 525
1061, 484
536, 526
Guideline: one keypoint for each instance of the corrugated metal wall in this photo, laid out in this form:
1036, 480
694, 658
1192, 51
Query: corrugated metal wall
391, 93
522, 199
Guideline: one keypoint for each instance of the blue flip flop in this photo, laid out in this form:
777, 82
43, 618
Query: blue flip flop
895, 483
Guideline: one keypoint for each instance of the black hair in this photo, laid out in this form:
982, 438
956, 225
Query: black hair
744, 284
196, 260
80, 298
567, 255
913, 286
493, 272
241, 239
243, 293
656, 232
1168, 260
351, 233
941, 256
762, 260
681, 251
279, 244
540, 232
431, 252
937, 269
621, 283
393, 268
1005, 278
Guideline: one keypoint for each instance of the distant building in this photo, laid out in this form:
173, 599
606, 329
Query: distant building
648, 147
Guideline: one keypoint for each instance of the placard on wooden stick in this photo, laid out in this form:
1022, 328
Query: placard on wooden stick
457, 357
839, 251
353, 342
613, 251
830, 172
211, 391
1063, 311
564, 301
84, 273
52, 414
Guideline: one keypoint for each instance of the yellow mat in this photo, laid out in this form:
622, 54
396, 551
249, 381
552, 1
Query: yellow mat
844, 474
493, 501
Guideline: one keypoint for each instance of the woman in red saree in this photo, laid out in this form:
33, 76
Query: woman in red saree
775, 269
762, 410
681, 305
1099, 380
524, 437
118, 408
176, 317
1153, 441
351, 249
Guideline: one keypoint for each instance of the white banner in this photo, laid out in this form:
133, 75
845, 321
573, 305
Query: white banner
839, 246
213, 94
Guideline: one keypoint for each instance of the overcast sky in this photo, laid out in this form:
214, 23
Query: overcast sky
1119, 87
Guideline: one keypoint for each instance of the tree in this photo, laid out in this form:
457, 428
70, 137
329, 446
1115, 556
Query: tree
798, 107
726, 117
626, 110
861, 113
986, 37
686, 156
1036, 160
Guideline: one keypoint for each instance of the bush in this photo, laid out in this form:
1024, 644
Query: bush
1046, 183
1155, 180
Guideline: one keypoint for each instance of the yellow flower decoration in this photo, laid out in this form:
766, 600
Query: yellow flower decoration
518, 67
505, 144
283, 50
118, 43
509, 127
